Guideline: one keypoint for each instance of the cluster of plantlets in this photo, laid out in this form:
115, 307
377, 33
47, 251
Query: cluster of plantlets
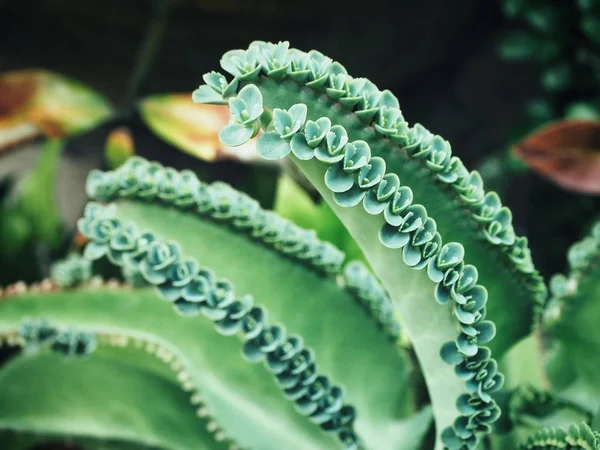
336, 361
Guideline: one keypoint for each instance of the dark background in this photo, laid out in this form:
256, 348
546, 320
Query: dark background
438, 56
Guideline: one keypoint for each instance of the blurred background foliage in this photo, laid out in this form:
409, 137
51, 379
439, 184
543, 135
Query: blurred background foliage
513, 84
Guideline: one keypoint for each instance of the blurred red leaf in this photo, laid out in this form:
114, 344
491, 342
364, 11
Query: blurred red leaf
16, 92
36, 102
567, 153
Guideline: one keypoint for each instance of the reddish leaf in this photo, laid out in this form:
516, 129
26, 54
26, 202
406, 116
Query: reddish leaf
35, 102
16, 93
566, 152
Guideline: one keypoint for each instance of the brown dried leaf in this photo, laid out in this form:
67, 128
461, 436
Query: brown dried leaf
566, 152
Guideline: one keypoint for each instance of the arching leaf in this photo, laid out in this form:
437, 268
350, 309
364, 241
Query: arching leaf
101, 397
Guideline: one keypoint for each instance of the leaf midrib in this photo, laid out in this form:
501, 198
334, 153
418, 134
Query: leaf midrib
491, 260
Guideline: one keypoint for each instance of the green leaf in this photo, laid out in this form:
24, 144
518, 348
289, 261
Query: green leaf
545, 17
583, 111
235, 135
590, 25
293, 203
512, 7
272, 147
523, 364
204, 94
428, 325
307, 304
252, 100
557, 77
301, 148
587, 4
596, 422
518, 45
16, 231
101, 397
571, 319
304, 299
37, 195
214, 361
119, 147
455, 224
443, 190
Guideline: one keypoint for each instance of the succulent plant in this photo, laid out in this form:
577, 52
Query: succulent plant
401, 355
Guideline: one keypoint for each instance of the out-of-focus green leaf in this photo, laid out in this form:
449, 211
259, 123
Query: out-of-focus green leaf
518, 45
590, 25
192, 127
101, 397
596, 422
36, 196
30, 216
332, 230
587, 4
15, 231
293, 203
119, 147
513, 7
39, 102
571, 324
583, 111
544, 16
539, 111
523, 364
557, 77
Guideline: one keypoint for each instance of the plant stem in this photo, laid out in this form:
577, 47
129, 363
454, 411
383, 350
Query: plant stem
147, 53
